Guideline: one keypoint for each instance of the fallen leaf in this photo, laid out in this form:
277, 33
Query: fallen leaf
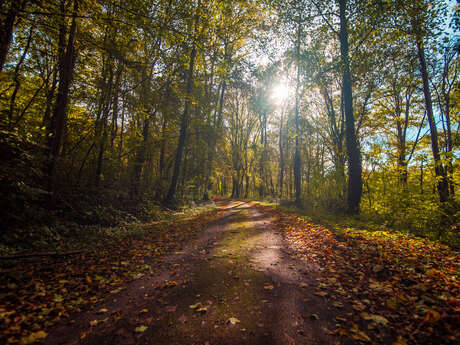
376, 318
392, 303
358, 306
33, 337
268, 287
196, 305
233, 320
140, 329
170, 283
202, 310
357, 334
432, 316
320, 293
400, 341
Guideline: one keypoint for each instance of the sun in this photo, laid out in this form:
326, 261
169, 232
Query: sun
280, 93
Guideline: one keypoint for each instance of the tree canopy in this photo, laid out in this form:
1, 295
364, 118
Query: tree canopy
340, 106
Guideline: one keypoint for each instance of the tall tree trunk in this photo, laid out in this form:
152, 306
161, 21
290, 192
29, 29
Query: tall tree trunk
446, 94
7, 23
140, 158
421, 177
46, 121
100, 156
102, 132
212, 147
280, 143
440, 171
246, 192
297, 161
450, 148
263, 141
209, 154
355, 182
184, 122
66, 66
337, 140
163, 146
401, 136
115, 106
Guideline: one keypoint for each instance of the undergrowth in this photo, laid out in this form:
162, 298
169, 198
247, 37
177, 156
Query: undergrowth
365, 222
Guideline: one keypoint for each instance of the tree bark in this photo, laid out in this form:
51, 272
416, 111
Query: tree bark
355, 183
280, 143
140, 158
102, 132
184, 123
7, 26
66, 66
213, 141
297, 162
440, 171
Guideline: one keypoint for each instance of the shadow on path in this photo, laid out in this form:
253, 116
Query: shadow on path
237, 284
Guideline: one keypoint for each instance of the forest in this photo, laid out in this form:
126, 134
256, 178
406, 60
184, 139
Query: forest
341, 108
122, 116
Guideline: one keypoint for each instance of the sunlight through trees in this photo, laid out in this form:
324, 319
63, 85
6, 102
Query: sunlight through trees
342, 107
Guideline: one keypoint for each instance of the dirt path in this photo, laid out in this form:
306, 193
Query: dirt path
238, 283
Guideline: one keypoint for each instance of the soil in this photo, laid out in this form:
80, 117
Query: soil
237, 283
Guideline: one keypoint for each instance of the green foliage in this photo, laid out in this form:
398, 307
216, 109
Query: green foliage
115, 153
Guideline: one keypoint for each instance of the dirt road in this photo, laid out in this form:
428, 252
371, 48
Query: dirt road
238, 283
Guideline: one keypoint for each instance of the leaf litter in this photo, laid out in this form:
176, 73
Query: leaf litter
37, 295
402, 290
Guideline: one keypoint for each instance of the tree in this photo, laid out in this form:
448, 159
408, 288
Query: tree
419, 26
66, 64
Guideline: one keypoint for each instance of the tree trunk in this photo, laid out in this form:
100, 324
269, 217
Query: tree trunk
8, 21
297, 162
163, 146
140, 158
66, 66
46, 121
401, 138
280, 143
440, 171
184, 124
212, 147
355, 183
115, 106
421, 177
102, 132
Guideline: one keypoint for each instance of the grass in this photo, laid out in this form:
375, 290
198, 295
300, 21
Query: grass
362, 223
72, 236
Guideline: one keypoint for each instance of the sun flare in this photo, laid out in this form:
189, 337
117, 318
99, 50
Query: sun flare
280, 93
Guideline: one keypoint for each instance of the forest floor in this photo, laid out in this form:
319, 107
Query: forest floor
246, 274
